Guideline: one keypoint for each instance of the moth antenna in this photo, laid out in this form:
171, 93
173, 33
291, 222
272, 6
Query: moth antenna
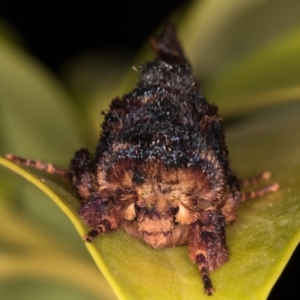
167, 47
37, 164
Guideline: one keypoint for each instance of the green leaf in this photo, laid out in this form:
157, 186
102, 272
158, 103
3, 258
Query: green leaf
261, 241
266, 76
245, 53
28, 94
31, 254
218, 34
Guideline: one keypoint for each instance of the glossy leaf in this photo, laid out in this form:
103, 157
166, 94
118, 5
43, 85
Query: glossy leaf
29, 92
219, 34
266, 76
261, 241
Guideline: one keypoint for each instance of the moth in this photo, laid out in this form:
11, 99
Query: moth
161, 169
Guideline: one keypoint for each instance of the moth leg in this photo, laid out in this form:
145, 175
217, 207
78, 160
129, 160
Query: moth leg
255, 193
37, 164
255, 179
101, 214
207, 245
232, 201
273, 187
102, 227
80, 174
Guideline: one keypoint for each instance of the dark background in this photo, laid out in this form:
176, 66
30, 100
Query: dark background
55, 30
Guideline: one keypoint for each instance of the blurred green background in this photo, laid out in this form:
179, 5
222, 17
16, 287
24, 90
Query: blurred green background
61, 64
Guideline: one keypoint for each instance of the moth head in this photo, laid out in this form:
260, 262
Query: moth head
178, 194
157, 198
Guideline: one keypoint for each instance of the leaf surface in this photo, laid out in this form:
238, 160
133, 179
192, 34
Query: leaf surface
261, 241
